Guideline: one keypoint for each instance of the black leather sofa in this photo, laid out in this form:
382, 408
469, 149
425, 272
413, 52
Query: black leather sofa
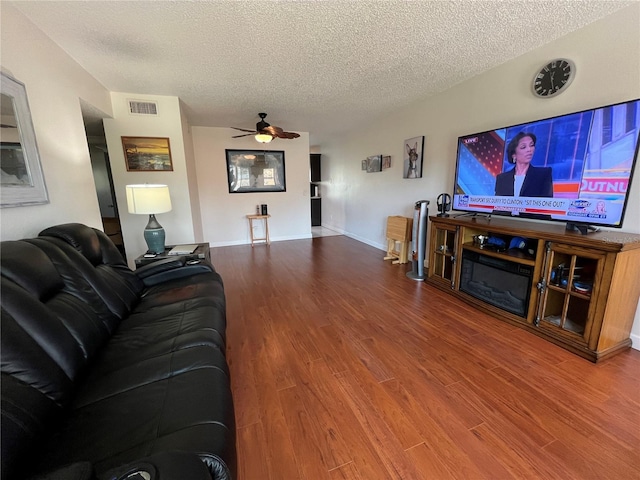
109, 373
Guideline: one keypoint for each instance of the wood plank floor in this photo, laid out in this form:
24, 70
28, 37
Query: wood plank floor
343, 368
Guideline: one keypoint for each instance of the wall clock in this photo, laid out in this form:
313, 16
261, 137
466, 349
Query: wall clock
554, 78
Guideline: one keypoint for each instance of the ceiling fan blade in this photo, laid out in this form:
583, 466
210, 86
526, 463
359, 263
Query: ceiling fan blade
272, 130
288, 135
262, 127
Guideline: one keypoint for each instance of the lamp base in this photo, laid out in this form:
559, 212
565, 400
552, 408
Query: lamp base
154, 235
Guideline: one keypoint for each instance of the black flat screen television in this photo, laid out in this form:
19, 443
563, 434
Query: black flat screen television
575, 168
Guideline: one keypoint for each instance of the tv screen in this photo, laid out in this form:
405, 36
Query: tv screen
575, 168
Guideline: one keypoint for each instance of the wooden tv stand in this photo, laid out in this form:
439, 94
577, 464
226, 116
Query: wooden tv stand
584, 289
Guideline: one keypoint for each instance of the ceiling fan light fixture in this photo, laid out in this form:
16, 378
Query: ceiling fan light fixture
263, 137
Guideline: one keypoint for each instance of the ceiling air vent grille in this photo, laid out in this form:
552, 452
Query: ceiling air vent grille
137, 107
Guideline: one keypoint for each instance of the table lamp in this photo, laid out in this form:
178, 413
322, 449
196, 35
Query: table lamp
149, 200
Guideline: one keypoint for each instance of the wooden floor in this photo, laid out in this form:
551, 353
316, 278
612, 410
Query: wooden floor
343, 368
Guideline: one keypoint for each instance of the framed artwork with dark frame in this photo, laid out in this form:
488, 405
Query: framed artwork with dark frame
413, 157
374, 163
255, 171
147, 154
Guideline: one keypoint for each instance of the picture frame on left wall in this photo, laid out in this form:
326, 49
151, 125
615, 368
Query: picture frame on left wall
147, 154
22, 178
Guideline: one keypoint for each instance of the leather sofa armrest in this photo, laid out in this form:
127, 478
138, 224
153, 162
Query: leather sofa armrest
74, 471
162, 466
159, 266
171, 269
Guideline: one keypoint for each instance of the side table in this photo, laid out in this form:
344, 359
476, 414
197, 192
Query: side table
203, 252
266, 229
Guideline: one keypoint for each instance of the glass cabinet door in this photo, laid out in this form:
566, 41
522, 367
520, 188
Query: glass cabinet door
443, 254
568, 287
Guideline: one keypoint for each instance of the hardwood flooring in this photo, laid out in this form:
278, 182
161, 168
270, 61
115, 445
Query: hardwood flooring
343, 368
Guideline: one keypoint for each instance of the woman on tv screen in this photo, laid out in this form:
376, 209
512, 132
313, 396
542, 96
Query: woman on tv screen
524, 180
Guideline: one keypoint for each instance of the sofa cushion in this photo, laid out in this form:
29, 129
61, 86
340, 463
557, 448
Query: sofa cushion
27, 415
86, 241
188, 411
29, 267
36, 348
117, 286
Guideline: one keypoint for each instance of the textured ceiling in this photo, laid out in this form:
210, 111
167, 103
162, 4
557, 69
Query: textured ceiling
316, 66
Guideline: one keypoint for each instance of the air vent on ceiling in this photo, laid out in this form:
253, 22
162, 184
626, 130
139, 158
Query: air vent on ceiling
137, 107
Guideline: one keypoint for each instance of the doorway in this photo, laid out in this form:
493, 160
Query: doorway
102, 176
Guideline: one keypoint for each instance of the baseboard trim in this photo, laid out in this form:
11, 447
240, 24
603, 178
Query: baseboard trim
635, 341
248, 242
368, 242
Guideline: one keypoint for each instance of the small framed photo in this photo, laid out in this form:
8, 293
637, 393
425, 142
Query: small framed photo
374, 163
365, 164
147, 154
386, 162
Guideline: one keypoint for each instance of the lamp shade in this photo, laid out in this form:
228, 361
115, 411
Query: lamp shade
263, 137
148, 199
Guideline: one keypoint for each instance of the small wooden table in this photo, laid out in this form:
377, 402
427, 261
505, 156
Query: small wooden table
266, 229
398, 231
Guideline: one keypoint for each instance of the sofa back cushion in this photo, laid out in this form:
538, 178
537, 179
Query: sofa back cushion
36, 348
110, 277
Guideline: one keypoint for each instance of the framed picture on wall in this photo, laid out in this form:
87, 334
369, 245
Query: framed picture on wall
255, 171
412, 150
147, 154
374, 163
22, 178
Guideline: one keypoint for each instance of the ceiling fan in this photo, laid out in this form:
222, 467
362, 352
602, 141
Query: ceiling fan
264, 132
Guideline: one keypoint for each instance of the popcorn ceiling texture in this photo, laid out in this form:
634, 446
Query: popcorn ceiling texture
316, 66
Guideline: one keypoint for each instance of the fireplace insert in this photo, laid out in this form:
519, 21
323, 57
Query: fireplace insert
499, 282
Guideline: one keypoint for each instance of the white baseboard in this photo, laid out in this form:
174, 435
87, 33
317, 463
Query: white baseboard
248, 242
635, 341
368, 242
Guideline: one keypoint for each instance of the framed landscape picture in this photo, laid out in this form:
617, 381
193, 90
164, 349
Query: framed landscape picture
255, 171
147, 154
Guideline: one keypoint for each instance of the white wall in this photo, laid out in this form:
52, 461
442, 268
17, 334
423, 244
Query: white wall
224, 219
178, 223
55, 84
192, 176
607, 57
